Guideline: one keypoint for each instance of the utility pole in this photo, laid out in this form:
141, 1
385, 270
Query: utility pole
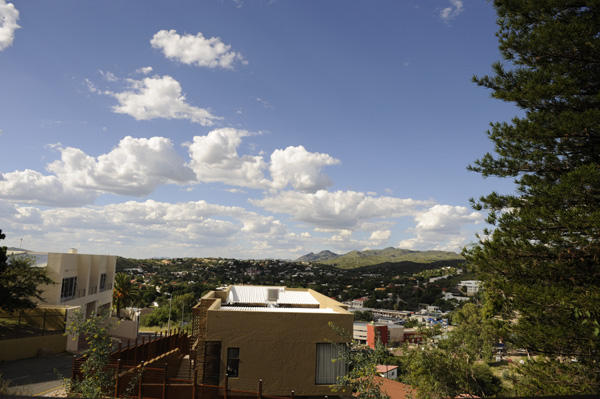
169, 325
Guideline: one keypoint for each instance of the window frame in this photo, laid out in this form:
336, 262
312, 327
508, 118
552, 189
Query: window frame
68, 289
233, 362
103, 279
327, 371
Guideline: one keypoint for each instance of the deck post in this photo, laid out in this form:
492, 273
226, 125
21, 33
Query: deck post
117, 378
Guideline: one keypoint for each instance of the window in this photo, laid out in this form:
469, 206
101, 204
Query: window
327, 369
233, 361
103, 282
67, 291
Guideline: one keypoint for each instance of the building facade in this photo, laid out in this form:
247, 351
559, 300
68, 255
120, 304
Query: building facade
81, 280
279, 335
364, 333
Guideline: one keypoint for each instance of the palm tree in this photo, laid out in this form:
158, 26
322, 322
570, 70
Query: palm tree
125, 293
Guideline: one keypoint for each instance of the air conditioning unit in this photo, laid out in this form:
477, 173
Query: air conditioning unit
272, 294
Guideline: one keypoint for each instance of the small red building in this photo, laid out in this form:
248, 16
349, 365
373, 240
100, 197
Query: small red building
375, 333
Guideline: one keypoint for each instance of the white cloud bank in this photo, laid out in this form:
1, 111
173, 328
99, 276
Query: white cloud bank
9, 16
196, 50
31, 187
137, 166
291, 184
339, 209
144, 229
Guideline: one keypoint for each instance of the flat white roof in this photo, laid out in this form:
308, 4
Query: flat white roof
277, 310
250, 294
40, 258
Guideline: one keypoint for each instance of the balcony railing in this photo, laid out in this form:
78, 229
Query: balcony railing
107, 286
67, 298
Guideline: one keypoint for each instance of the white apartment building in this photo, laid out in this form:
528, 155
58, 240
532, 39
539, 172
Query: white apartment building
471, 286
81, 280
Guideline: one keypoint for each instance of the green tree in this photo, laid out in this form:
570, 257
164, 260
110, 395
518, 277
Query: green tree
363, 316
361, 361
125, 293
21, 282
97, 380
183, 302
540, 262
455, 363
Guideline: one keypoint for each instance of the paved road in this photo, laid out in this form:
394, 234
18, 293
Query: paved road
36, 376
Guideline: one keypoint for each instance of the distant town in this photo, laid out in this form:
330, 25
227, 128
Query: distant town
405, 286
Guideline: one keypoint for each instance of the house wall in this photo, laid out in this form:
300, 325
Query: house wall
87, 269
360, 331
277, 347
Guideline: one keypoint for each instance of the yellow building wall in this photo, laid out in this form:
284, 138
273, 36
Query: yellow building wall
22, 348
279, 348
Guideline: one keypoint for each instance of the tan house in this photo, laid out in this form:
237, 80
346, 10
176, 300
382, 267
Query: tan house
279, 335
82, 280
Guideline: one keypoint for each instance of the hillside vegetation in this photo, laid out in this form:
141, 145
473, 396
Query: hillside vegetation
372, 257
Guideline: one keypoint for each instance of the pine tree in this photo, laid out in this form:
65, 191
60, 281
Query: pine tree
541, 260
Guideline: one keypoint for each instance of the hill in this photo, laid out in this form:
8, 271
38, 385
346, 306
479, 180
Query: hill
320, 257
371, 257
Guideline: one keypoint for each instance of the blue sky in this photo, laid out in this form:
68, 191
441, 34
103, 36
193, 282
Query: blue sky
248, 129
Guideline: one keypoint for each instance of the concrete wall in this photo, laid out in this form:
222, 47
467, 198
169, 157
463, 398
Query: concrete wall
14, 349
279, 348
126, 329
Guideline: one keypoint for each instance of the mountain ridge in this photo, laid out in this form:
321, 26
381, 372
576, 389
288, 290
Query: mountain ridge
370, 257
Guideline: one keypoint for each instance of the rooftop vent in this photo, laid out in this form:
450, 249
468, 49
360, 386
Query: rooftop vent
73, 250
272, 294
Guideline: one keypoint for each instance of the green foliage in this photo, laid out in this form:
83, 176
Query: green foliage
125, 293
563, 377
21, 282
363, 316
98, 379
362, 362
435, 373
455, 363
158, 317
540, 263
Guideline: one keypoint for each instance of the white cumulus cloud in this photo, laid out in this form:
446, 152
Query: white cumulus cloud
158, 97
135, 167
301, 169
196, 50
214, 158
441, 228
29, 186
9, 16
